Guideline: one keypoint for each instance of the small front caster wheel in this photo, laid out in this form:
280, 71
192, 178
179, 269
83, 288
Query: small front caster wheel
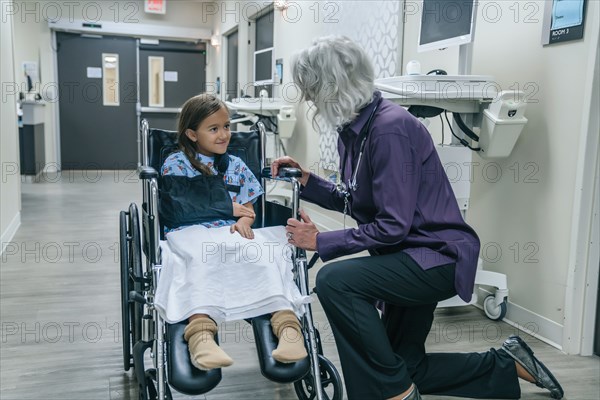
493, 311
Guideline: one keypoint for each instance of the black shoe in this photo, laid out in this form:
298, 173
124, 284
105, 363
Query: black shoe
518, 349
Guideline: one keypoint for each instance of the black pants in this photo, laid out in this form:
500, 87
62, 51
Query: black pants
382, 357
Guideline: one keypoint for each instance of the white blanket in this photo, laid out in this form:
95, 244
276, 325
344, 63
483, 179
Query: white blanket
214, 272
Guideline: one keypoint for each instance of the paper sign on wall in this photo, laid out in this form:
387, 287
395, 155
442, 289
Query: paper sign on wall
30, 69
93, 72
171, 76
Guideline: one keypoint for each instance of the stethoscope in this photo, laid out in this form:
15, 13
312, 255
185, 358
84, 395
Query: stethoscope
352, 185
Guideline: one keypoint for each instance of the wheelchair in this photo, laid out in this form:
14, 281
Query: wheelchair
143, 329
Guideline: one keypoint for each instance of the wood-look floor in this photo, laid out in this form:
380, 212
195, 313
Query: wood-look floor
60, 308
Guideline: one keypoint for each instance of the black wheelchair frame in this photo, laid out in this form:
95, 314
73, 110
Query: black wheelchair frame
144, 328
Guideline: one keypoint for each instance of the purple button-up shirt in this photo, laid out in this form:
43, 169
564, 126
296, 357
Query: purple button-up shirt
403, 200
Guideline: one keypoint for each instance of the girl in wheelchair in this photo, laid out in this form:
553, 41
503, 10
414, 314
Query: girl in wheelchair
204, 293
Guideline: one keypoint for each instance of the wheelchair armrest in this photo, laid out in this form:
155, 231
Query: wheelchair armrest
145, 172
283, 173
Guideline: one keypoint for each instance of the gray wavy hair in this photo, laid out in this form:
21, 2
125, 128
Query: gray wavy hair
336, 75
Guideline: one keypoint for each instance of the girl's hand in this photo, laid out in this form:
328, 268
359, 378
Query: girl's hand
243, 227
240, 210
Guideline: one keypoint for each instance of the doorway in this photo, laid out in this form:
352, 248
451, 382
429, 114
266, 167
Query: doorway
97, 107
232, 83
170, 73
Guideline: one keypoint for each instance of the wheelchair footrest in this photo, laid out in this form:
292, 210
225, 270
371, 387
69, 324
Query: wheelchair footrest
182, 375
266, 342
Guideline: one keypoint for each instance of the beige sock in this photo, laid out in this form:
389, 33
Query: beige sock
204, 351
287, 328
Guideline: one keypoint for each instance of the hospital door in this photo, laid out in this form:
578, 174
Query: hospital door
170, 73
97, 101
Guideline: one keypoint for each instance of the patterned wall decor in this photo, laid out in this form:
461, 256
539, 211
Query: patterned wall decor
375, 26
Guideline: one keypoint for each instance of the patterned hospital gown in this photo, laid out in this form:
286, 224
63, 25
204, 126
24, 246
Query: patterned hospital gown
237, 174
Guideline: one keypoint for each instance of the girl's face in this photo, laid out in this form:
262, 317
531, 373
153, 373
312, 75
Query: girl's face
212, 136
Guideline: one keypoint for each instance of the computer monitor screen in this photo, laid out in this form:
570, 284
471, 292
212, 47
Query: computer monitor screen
263, 67
445, 23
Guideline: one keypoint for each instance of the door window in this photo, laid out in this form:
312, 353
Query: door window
156, 81
110, 79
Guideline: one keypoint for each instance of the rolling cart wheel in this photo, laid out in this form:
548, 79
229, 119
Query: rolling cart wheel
152, 387
493, 311
125, 287
330, 382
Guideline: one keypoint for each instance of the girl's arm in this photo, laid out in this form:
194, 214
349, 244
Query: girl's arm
243, 224
240, 210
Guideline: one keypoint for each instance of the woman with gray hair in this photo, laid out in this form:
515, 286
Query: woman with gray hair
421, 249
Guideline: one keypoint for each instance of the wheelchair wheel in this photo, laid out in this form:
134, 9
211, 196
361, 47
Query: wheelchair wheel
152, 387
131, 273
330, 382
125, 286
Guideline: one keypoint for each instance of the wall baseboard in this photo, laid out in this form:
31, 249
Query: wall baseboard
10, 231
529, 322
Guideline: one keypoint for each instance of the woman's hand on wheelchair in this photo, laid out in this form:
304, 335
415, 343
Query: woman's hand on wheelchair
240, 210
289, 162
302, 234
243, 227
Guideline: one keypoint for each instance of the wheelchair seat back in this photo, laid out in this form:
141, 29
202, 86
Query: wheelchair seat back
245, 145
161, 143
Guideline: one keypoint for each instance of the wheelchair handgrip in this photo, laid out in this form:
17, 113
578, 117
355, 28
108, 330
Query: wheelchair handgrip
285, 172
135, 296
266, 173
145, 172
290, 173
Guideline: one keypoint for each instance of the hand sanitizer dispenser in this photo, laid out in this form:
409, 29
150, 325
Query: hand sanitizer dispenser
286, 120
502, 124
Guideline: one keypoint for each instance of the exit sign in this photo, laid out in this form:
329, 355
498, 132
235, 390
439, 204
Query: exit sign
155, 6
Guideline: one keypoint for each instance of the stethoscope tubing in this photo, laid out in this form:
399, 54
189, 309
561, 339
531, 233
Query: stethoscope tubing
365, 131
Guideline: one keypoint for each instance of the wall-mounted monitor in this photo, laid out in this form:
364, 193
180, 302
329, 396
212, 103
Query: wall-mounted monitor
445, 23
263, 67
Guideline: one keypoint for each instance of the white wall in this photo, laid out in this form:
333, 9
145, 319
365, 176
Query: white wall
33, 37
291, 33
32, 43
526, 212
537, 210
10, 184
294, 30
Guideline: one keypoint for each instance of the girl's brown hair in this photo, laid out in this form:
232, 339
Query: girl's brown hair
194, 111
